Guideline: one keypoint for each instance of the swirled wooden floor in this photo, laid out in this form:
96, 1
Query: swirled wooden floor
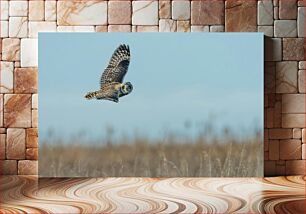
138, 195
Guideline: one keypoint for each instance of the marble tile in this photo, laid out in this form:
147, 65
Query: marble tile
90, 12
29, 49
269, 78
32, 138
265, 12
145, 13
34, 118
75, 29
2, 146
37, 26
28, 167
50, 10
199, 28
8, 167
18, 27
301, 21
18, 8
101, 28
302, 65
17, 110
287, 9
293, 120
301, 3
275, 13
301, 81
36, 10
165, 9
180, 10
290, 149
304, 135
293, 49
241, 16
280, 133
32, 154
119, 28
15, 143
11, 49
144, 28
7, 77
34, 101
183, 26
274, 150
297, 133
26, 80
207, 12
4, 10
267, 30
167, 25
119, 12
273, 49
1, 110
4, 29
285, 28
295, 167
293, 103
286, 77
216, 28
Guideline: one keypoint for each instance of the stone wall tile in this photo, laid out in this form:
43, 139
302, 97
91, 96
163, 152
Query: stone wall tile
119, 12
180, 10
301, 81
265, 12
11, 49
7, 77
36, 10
29, 53
207, 12
4, 10
286, 77
2, 146
38, 26
293, 49
28, 167
18, 8
301, 21
147, 28
293, 103
145, 13
15, 143
8, 167
240, 16
4, 29
32, 138
183, 26
274, 150
17, 110
287, 9
164, 9
167, 25
32, 154
18, 27
91, 12
290, 149
26, 80
50, 10
295, 167
285, 28
280, 133
293, 120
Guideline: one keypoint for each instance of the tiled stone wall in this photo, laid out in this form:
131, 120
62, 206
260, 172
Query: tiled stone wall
282, 21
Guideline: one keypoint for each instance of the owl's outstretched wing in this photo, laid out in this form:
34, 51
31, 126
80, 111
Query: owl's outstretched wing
117, 67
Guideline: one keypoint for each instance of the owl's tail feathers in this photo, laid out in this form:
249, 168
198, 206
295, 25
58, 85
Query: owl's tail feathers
91, 95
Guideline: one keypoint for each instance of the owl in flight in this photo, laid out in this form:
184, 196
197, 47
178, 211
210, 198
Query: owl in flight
111, 86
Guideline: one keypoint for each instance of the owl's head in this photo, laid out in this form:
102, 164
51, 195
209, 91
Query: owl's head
127, 88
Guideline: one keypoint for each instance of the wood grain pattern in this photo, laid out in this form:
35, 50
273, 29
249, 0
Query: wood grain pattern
139, 195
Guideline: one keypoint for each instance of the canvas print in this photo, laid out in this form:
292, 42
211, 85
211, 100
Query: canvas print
150, 105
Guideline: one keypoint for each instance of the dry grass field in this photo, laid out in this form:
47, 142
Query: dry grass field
230, 157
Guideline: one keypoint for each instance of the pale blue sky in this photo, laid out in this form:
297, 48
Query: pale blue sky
176, 77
